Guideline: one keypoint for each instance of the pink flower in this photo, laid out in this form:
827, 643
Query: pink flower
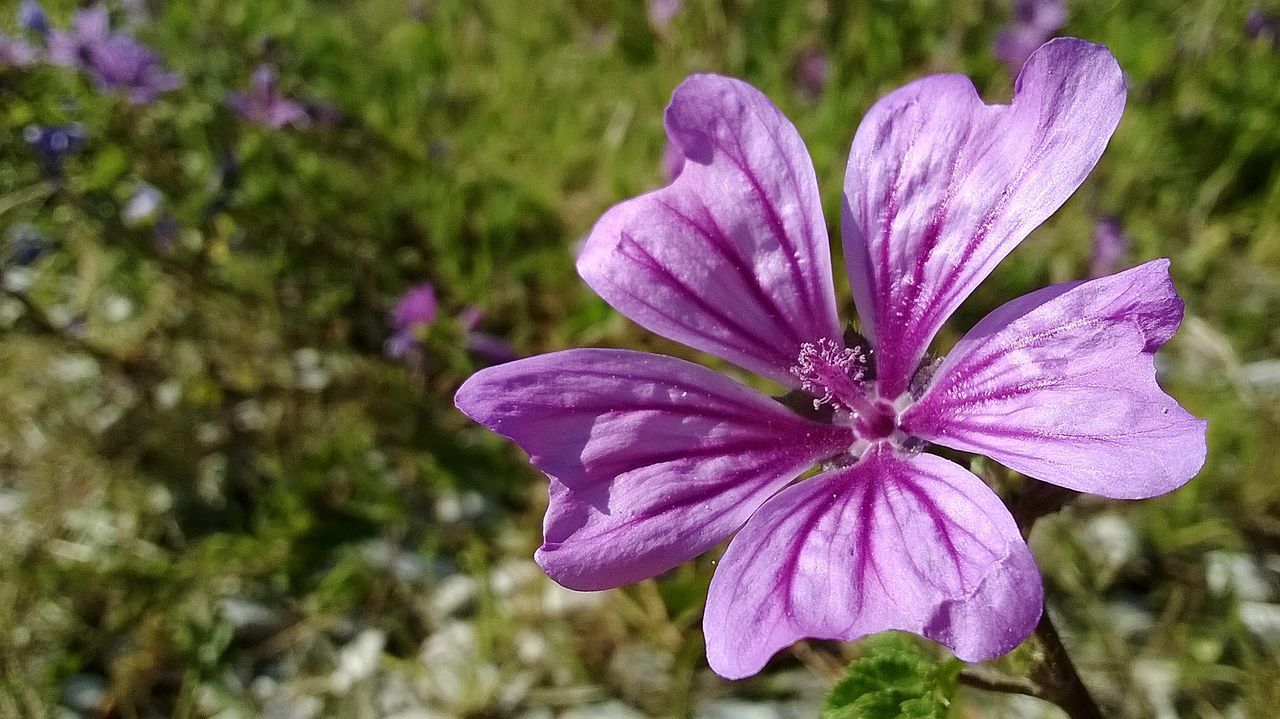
654, 460
115, 61
1110, 245
415, 309
263, 104
1034, 22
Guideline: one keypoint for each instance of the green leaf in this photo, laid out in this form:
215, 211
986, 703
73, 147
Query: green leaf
894, 678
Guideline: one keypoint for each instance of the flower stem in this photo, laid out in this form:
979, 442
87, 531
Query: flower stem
1056, 675
1053, 674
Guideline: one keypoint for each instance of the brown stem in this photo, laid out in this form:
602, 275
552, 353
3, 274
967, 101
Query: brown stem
998, 683
1057, 677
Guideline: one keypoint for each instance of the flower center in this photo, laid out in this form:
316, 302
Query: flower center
878, 423
833, 374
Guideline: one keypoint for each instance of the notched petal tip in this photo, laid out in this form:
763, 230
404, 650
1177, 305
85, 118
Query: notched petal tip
684, 117
1085, 60
941, 186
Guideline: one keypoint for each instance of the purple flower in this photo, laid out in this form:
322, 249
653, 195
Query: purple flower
415, 309
116, 62
483, 345
31, 16
263, 104
165, 233
1110, 245
654, 460
16, 52
812, 70
51, 143
1034, 22
1260, 23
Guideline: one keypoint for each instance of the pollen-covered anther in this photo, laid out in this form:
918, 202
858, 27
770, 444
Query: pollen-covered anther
832, 373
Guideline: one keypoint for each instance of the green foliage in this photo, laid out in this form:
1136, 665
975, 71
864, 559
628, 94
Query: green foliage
893, 678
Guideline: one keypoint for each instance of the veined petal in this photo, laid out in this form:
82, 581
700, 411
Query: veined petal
653, 460
940, 187
1061, 386
732, 257
912, 543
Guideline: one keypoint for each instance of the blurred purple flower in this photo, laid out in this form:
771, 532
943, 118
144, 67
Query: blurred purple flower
263, 104
811, 72
653, 460
115, 62
51, 143
1260, 23
415, 309
1110, 246
16, 52
662, 12
483, 345
166, 232
31, 16
1034, 23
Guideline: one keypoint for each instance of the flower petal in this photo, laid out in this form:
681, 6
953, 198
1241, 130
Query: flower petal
940, 187
912, 543
1061, 386
732, 258
653, 460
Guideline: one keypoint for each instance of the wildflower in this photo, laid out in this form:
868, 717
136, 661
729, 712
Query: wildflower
1262, 24
52, 143
415, 310
31, 16
1034, 22
263, 104
484, 345
165, 233
810, 74
115, 61
1110, 245
16, 52
654, 460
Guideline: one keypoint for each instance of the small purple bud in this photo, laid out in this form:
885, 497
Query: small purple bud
811, 72
1260, 23
416, 308
1110, 246
52, 143
1034, 23
263, 104
165, 233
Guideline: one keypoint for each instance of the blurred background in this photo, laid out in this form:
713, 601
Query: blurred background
251, 247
